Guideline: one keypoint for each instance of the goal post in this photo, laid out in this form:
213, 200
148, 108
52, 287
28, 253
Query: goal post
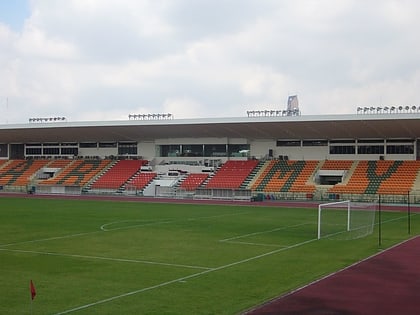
328, 204
346, 219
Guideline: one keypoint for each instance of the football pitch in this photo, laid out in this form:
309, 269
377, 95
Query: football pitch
120, 257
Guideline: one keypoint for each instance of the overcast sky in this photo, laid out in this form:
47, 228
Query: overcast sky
106, 59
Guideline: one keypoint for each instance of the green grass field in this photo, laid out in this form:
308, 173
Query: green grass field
113, 257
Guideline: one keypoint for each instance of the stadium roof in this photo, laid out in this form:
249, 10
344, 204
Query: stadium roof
371, 126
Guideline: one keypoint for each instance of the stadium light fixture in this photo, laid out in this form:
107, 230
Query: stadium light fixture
401, 109
46, 119
151, 116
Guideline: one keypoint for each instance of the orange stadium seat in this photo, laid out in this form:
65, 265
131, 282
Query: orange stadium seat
193, 181
286, 176
380, 177
232, 174
20, 172
141, 180
118, 174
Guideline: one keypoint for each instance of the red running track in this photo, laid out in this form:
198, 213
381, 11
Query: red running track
386, 284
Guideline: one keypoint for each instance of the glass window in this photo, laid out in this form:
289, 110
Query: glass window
70, 151
170, 150
288, 143
238, 150
342, 149
192, 150
51, 151
400, 149
342, 141
215, 150
88, 145
127, 148
315, 143
3, 150
370, 149
107, 144
33, 151
370, 141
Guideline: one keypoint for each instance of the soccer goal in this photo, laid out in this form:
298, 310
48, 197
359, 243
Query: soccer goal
346, 219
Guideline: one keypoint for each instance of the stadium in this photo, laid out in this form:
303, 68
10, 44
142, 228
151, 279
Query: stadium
214, 215
278, 154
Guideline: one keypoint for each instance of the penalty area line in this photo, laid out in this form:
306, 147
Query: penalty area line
103, 258
183, 279
263, 232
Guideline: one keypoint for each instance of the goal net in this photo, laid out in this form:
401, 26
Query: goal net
346, 220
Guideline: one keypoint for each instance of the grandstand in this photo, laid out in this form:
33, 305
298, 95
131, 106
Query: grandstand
279, 157
117, 175
193, 181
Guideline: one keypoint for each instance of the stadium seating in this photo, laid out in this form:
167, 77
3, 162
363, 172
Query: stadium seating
78, 173
193, 181
118, 174
383, 177
337, 165
401, 180
286, 176
387, 177
20, 172
231, 174
141, 180
59, 163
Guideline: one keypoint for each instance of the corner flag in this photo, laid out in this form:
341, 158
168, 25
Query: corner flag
32, 288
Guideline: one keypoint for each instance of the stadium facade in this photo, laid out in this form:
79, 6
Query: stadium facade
208, 143
354, 137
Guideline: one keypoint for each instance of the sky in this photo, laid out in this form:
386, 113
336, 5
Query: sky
92, 60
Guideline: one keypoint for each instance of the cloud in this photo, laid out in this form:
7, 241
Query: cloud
183, 107
93, 59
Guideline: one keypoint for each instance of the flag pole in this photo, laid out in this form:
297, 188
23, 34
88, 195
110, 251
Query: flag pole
32, 292
31, 306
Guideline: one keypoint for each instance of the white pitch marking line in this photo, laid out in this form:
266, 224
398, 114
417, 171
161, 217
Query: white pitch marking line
103, 227
50, 238
255, 244
105, 230
104, 258
262, 232
166, 221
184, 278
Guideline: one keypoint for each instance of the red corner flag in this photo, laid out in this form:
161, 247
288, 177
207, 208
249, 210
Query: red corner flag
32, 288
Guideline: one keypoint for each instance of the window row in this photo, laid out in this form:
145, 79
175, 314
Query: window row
372, 149
201, 150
